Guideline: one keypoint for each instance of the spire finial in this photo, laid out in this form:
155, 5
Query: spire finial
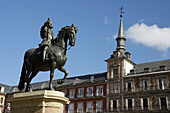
121, 11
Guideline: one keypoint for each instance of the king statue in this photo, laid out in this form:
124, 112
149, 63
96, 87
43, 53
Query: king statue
47, 35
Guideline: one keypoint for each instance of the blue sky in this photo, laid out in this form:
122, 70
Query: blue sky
146, 25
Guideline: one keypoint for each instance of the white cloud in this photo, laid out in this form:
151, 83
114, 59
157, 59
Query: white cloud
105, 20
151, 36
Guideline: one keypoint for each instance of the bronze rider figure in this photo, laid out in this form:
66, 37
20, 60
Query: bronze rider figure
47, 35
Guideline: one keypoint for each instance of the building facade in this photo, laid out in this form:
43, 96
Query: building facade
136, 87
86, 93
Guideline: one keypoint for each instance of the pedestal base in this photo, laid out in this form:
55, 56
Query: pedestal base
42, 101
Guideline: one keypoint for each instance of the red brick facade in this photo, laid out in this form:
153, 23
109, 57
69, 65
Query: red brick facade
86, 98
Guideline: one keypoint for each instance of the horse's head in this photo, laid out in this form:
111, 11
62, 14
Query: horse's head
70, 33
65, 34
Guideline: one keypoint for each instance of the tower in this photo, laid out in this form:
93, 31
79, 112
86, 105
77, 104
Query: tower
118, 66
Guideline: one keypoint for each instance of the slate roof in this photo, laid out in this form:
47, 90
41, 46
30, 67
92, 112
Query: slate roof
153, 66
69, 81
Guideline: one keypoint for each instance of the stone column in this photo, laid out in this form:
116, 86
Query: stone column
42, 101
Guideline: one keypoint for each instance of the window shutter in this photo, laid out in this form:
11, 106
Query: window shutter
118, 88
115, 88
111, 105
141, 84
111, 73
117, 104
126, 86
157, 83
133, 104
162, 83
148, 104
141, 102
148, 88
132, 87
126, 104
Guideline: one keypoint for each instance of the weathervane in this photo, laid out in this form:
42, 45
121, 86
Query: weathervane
121, 11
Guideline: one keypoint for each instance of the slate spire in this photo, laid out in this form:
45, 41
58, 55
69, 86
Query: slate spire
121, 38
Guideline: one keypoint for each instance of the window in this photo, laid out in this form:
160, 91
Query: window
99, 106
80, 107
145, 103
146, 70
89, 107
80, 92
71, 108
146, 85
65, 92
115, 72
71, 93
129, 86
99, 91
92, 78
90, 91
163, 103
161, 83
115, 105
129, 104
162, 68
116, 87
1, 100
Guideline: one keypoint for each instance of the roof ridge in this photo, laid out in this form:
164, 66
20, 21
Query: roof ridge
154, 62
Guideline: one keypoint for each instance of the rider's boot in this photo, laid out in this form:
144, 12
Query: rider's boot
44, 54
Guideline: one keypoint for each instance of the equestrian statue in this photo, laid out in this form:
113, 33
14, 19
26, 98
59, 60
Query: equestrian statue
50, 55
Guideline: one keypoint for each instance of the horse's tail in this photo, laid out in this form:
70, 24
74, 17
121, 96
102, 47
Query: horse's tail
22, 78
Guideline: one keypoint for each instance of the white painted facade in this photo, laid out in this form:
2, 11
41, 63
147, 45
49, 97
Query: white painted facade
127, 67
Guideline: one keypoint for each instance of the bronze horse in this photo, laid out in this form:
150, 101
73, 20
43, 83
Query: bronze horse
56, 53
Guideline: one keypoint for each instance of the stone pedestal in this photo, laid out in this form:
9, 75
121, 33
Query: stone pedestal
42, 101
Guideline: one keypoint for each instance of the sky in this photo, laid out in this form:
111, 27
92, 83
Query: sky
146, 26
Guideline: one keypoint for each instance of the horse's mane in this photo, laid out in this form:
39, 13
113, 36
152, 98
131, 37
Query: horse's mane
60, 32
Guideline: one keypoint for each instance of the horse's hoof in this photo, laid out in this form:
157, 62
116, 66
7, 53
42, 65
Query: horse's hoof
27, 90
60, 82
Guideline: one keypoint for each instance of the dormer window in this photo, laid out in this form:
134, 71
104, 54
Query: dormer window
132, 71
127, 55
74, 82
162, 68
146, 70
92, 79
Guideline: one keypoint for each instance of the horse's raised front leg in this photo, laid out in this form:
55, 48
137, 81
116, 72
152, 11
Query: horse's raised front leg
53, 65
28, 87
62, 69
